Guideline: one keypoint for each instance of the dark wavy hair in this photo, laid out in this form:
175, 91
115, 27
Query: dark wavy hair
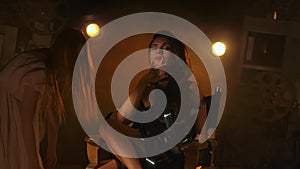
177, 47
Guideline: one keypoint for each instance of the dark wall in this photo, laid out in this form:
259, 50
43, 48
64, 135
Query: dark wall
247, 138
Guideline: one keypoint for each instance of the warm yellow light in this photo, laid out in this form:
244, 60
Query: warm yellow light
92, 30
218, 48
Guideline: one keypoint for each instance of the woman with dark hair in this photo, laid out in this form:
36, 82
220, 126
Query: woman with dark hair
162, 48
31, 87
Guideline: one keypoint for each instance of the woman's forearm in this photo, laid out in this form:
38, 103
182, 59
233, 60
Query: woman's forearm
28, 112
52, 129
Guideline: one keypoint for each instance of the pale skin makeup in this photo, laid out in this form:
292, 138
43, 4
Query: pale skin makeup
160, 54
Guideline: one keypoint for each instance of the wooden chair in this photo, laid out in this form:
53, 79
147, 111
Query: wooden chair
191, 150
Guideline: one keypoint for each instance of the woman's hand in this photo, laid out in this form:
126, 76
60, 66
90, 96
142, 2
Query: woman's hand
138, 97
145, 86
200, 137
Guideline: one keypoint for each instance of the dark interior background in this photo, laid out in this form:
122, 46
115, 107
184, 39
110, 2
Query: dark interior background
260, 125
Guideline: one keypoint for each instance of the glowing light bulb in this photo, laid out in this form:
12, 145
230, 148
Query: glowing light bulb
92, 30
218, 48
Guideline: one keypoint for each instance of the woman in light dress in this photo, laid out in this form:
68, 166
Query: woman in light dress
31, 106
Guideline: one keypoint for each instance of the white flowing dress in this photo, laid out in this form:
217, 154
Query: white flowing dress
13, 79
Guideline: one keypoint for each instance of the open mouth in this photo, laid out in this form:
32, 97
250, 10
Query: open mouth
157, 62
